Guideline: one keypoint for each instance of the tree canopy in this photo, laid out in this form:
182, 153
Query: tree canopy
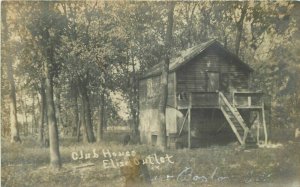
95, 50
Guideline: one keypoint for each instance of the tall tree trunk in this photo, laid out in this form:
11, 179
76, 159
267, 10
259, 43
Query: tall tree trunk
23, 128
102, 104
162, 134
189, 20
239, 31
33, 114
55, 160
88, 116
101, 119
77, 118
58, 110
14, 128
239, 28
76, 113
25, 122
43, 112
78, 127
83, 122
105, 118
134, 105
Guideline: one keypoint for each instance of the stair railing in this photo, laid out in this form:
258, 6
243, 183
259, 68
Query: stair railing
224, 100
233, 127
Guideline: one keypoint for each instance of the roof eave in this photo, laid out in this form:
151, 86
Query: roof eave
236, 57
154, 75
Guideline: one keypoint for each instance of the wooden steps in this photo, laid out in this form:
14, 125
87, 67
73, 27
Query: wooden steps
237, 123
250, 142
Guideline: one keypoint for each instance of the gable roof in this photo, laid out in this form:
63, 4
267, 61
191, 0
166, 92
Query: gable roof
186, 55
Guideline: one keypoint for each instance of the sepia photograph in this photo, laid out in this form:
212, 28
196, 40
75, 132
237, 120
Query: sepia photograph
124, 93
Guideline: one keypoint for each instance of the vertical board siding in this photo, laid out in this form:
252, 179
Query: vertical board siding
192, 77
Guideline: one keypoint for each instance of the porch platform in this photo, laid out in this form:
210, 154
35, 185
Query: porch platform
240, 100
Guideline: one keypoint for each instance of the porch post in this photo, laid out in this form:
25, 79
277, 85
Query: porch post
189, 120
264, 123
249, 101
258, 126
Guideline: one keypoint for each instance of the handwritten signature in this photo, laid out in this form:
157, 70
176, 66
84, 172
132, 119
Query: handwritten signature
188, 175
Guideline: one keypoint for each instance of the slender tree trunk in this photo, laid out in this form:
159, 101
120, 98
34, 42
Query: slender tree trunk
135, 127
239, 29
33, 114
22, 128
76, 113
58, 110
238, 39
85, 134
134, 105
43, 112
25, 122
55, 160
88, 116
14, 128
162, 134
78, 128
83, 122
77, 118
46, 124
189, 20
105, 118
101, 119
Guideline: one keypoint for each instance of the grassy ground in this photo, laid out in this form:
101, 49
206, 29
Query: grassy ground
27, 165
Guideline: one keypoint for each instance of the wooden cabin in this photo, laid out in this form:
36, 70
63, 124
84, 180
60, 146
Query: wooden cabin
209, 100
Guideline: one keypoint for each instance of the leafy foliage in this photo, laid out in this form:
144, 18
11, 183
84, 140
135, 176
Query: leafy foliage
103, 47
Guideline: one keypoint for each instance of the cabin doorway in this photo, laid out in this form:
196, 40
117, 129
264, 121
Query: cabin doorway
213, 81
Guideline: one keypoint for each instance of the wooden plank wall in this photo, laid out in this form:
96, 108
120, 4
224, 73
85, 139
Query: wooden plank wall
192, 77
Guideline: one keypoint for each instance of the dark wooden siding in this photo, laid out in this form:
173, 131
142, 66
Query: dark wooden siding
192, 77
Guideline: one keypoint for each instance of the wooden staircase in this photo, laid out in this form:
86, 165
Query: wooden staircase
236, 123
